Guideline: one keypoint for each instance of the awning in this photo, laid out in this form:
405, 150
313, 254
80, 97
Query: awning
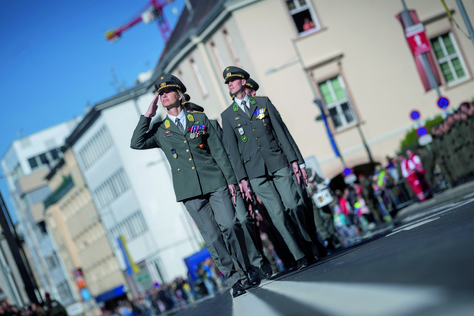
111, 294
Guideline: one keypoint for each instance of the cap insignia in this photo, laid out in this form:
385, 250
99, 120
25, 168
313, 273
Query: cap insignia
163, 84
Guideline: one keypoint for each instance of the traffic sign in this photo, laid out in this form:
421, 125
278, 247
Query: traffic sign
425, 140
415, 115
417, 39
347, 171
421, 131
443, 103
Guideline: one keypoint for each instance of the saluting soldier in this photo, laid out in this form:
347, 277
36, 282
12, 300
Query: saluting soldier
243, 215
312, 217
251, 127
203, 178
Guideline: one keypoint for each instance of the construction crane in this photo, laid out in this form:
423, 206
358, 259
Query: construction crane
153, 11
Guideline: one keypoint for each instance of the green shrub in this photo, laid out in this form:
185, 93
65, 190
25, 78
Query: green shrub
411, 139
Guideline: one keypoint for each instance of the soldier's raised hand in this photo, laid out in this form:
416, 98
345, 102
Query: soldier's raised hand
151, 112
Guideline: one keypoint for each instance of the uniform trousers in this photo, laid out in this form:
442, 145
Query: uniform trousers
273, 189
215, 217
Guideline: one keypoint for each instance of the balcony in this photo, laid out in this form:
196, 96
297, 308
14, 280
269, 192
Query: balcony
64, 188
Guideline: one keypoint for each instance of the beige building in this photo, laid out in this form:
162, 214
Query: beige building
83, 244
355, 53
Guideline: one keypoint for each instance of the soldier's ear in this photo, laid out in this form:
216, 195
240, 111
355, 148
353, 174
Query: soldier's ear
244, 81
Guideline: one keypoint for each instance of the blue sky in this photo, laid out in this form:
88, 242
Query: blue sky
54, 59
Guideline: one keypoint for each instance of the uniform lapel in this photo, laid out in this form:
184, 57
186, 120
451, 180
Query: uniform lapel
173, 128
239, 111
253, 106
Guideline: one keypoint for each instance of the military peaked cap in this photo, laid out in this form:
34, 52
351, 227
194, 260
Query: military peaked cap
233, 72
194, 107
186, 98
169, 82
252, 84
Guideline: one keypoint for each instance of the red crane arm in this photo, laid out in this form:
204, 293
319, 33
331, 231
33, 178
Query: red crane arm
115, 34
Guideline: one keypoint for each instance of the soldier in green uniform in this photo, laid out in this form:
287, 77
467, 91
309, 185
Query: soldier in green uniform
203, 178
251, 127
313, 219
243, 215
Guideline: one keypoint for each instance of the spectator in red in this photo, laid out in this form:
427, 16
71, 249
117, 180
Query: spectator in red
308, 24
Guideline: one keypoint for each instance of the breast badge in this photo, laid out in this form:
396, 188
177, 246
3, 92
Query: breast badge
167, 124
190, 118
260, 113
173, 152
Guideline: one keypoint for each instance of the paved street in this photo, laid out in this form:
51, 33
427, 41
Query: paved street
420, 265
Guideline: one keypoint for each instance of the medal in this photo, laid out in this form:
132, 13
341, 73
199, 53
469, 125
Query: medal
241, 131
192, 136
260, 113
244, 138
173, 152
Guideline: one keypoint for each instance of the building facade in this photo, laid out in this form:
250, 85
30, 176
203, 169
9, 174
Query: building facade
26, 164
354, 57
83, 244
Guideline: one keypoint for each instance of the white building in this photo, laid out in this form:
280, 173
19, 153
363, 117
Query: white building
133, 190
25, 165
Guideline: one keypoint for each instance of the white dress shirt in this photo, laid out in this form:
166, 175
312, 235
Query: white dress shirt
181, 116
247, 103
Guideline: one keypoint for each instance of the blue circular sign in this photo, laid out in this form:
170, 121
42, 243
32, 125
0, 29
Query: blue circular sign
422, 131
443, 103
415, 115
347, 171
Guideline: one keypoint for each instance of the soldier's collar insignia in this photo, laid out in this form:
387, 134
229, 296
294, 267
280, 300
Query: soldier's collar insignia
252, 100
167, 124
236, 107
190, 118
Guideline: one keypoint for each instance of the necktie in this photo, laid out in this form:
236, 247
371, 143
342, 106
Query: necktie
244, 108
180, 126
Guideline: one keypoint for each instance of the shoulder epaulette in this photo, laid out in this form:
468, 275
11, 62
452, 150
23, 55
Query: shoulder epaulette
196, 112
264, 96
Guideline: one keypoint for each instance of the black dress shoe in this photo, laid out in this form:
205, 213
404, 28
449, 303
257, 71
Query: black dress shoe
253, 277
302, 263
246, 285
237, 290
266, 271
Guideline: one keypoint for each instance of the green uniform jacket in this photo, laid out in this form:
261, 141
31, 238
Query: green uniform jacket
252, 143
196, 171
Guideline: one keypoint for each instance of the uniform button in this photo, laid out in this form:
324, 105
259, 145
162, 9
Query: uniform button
192, 168
238, 125
250, 121
187, 150
256, 138
178, 169
254, 129
258, 147
190, 159
184, 141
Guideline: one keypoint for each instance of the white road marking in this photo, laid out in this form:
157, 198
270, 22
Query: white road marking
413, 226
249, 305
353, 299
469, 196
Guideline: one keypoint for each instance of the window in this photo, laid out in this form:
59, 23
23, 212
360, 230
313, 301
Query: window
218, 56
199, 78
33, 163
112, 188
131, 227
37, 195
95, 147
232, 48
303, 16
44, 159
337, 102
449, 59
